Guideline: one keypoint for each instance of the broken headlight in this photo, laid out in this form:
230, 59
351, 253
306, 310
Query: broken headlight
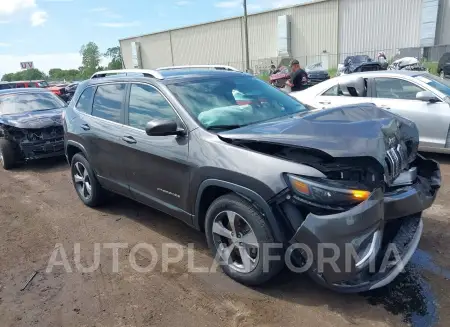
326, 192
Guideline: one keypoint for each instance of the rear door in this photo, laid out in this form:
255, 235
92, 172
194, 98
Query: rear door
157, 166
399, 96
102, 131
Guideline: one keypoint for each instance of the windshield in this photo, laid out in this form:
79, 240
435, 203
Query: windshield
438, 83
232, 102
26, 102
42, 84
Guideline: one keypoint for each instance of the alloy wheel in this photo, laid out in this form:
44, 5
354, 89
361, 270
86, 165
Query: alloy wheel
82, 181
235, 241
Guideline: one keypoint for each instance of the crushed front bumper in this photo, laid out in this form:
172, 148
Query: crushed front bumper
383, 232
42, 149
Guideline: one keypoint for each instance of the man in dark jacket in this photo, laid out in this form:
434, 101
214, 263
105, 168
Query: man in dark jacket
299, 78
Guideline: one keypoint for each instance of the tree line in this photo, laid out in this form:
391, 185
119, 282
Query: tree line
91, 57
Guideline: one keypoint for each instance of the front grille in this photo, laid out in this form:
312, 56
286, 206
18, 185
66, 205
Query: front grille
396, 161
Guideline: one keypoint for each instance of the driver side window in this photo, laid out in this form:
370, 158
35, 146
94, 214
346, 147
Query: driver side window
394, 88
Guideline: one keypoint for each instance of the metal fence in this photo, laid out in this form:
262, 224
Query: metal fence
331, 61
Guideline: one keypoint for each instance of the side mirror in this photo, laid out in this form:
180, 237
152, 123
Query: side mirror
163, 127
427, 96
355, 87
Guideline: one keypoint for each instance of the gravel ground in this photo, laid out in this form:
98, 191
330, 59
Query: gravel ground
39, 209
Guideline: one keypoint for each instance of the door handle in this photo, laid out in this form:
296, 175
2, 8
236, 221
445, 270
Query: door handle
86, 127
385, 107
324, 102
129, 139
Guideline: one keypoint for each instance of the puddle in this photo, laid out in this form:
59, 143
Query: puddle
410, 295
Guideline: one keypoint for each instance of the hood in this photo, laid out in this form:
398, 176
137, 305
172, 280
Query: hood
349, 131
34, 119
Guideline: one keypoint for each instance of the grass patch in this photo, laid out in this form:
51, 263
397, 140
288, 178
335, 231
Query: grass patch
332, 72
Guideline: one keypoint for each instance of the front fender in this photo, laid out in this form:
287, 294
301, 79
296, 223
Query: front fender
247, 193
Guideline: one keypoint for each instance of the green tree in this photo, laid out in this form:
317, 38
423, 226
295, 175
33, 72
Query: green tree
25, 75
115, 55
90, 54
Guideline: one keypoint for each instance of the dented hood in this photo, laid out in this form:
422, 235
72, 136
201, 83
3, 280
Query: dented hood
34, 119
348, 131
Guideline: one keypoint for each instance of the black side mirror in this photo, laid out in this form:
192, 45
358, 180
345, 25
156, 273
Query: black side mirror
163, 127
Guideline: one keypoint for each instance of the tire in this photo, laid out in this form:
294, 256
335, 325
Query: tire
80, 167
8, 156
261, 271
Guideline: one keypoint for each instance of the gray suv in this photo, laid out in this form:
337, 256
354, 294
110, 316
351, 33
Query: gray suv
267, 179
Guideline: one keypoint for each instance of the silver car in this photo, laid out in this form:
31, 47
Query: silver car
418, 96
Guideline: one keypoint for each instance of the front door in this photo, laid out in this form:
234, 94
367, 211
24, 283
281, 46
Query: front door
399, 96
157, 166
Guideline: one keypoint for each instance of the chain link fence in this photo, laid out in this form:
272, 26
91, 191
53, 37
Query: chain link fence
330, 61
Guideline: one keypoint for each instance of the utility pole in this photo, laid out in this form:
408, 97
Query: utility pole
247, 55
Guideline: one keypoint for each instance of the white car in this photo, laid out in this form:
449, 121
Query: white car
418, 96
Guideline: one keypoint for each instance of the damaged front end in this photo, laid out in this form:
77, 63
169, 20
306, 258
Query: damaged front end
370, 201
35, 143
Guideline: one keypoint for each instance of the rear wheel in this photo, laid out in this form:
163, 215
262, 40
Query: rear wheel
88, 188
8, 157
241, 240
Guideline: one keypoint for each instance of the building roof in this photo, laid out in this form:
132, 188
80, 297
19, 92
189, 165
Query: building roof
304, 3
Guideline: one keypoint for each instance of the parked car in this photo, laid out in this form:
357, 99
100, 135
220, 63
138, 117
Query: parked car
359, 63
407, 63
30, 126
418, 96
5, 86
27, 84
254, 175
444, 66
317, 73
70, 91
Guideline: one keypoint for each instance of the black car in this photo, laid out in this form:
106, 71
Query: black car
265, 180
444, 66
359, 63
5, 86
316, 74
30, 125
69, 91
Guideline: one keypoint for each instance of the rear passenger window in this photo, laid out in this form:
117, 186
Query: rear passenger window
334, 91
84, 102
146, 104
108, 101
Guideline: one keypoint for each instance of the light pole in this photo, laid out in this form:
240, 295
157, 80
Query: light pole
247, 55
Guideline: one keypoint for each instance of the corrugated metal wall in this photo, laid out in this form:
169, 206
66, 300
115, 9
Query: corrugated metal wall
155, 50
443, 29
313, 30
378, 25
216, 43
313, 27
340, 27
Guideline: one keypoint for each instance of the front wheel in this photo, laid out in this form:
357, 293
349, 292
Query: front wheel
8, 157
241, 240
88, 188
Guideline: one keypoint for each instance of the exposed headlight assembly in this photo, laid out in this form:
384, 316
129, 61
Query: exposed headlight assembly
322, 192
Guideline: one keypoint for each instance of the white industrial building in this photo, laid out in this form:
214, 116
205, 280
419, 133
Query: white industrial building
320, 30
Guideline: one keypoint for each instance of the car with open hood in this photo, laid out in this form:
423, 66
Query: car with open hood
269, 181
30, 125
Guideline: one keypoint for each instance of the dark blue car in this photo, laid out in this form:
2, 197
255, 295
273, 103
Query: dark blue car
30, 125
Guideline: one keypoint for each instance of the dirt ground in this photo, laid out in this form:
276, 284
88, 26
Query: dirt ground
39, 209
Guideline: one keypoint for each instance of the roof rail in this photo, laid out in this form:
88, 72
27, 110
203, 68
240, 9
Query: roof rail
216, 67
126, 72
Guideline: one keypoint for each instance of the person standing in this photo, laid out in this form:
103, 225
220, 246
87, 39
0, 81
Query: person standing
299, 78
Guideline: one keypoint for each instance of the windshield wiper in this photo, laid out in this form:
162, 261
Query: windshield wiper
223, 127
